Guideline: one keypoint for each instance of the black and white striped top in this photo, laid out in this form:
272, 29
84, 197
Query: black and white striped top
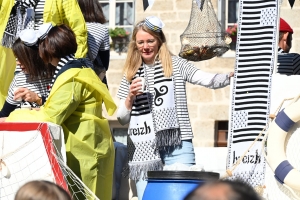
39, 11
288, 63
98, 39
183, 71
23, 80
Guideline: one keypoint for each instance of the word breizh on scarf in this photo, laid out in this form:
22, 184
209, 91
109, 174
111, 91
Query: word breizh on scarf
140, 130
255, 159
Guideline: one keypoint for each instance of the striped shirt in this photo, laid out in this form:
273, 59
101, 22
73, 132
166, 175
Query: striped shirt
39, 11
183, 71
98, 39
288, 63
23, 80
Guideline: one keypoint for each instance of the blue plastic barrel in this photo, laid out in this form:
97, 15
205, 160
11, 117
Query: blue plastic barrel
174, 185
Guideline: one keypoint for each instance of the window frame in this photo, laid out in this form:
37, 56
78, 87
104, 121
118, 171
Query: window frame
112, 21
223, 19
112, 12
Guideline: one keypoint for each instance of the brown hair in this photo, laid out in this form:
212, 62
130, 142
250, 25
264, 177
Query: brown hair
281, 33
30, 59
92, 11
134, 59
41, 190
59, 43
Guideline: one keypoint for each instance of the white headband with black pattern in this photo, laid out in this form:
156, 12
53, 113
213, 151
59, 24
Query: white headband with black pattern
29, 37
154, 23
44, 30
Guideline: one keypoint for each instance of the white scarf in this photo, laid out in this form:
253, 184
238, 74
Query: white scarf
154, 124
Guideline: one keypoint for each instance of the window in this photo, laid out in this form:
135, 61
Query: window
221, 133
232, 11
228, 13
119, 13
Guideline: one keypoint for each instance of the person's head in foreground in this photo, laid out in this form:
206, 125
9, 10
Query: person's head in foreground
285, 36
147, 44
223, 190
41, 190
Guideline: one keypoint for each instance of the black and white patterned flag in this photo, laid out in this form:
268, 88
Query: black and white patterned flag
251, 88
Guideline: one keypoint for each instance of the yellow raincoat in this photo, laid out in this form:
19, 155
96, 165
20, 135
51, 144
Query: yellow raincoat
75, 103
56, 11
7, 58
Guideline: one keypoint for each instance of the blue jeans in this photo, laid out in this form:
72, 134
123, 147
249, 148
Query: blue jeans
184, 154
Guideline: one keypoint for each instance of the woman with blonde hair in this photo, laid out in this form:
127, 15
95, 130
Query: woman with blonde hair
153, 102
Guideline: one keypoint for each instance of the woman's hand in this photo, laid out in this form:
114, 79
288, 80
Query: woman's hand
27, 95
134, 88
231, 74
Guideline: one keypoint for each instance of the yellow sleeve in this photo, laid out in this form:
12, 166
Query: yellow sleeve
7, 58
5, 8
68, 12
7, 68
62, 103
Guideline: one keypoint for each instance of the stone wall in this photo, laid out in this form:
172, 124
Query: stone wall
206, 106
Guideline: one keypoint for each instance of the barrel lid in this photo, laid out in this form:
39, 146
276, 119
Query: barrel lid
190, 175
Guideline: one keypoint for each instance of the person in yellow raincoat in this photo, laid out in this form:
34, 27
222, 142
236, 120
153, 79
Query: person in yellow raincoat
55, 11
75, 102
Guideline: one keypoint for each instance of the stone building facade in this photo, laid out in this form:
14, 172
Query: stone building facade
207, 108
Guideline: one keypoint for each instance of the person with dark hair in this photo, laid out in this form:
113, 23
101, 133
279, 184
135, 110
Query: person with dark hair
98, 36
153, 101
28, 87
225, 190
17, 15
75, 102
288, 63
41, 190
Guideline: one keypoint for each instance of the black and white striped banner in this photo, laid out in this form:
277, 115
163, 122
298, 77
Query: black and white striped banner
256, 54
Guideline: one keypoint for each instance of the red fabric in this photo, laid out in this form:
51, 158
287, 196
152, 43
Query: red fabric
285, 27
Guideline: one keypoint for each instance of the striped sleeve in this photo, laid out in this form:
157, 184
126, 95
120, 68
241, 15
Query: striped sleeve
98, 38
198, 77
286, 63
105, 44
296, 64
22, 80
186, 69
39, 10
123, 89
10, 95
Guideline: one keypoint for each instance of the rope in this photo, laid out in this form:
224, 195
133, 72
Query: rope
229, 172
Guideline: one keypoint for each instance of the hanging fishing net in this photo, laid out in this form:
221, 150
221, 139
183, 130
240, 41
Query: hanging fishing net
203, 38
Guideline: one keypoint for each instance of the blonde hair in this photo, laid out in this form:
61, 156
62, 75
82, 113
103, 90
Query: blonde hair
134, 59
41, 190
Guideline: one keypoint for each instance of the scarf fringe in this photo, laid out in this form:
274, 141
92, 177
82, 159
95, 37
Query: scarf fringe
136, 169
168, 138
7, 40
